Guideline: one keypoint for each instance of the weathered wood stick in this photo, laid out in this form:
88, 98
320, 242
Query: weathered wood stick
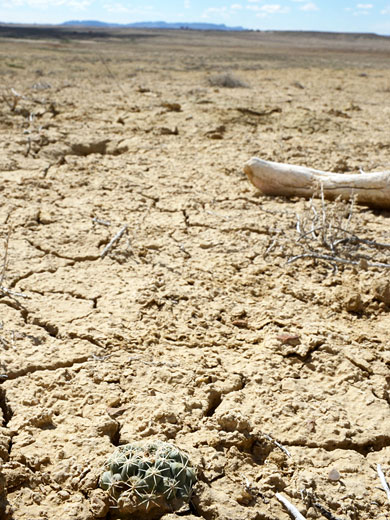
288, 505
384, 483
272, 178
113, 241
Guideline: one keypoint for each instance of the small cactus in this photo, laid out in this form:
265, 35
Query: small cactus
147, 475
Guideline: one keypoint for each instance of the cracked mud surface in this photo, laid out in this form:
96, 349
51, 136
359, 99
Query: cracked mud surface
187, 330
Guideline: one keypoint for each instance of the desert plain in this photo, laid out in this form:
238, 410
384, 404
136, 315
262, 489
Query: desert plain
149, 291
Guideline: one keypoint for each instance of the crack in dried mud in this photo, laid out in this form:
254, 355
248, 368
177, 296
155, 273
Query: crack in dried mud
18, 279
31, 369
75, 259
5, 408
363, 449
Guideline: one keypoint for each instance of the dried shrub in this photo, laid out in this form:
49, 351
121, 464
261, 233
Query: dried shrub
328, 233
227, 80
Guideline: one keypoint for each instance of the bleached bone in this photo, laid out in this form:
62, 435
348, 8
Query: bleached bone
272, 178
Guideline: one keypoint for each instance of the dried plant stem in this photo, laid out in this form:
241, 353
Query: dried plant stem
5, 260
96, 220
280, 446
336, 259
14, 294
3, 290
271, 246
112, 75
324, 232
383, 481
327, 514
355, 239
292, 509
113, 241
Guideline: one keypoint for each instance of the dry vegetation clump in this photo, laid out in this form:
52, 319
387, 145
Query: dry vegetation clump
328, 232
227, 80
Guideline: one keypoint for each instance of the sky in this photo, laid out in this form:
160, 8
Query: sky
316, 15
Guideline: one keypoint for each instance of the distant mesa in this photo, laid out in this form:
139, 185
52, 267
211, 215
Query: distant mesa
156, 25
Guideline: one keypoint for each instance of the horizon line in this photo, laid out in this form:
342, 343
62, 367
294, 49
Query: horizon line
183, 25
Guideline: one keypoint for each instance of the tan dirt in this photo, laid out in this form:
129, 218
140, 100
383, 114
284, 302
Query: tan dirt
186, 331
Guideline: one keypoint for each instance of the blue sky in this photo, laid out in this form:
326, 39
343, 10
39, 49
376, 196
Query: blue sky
320, 15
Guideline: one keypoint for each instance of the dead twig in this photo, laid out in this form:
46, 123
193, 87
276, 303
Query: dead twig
112, 76
15, 97
288, 505
336, 259
13, 294
113, 241
252, 489
280, 446
327, 514
3, 290
28, 149
355, 239
96, 220
382, 478
5, 260
271, 246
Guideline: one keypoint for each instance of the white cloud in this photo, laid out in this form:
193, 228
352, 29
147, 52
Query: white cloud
274, 8
215, 10
211, 11
115, 8
386, 10
268, 9
310, 6
187, 4
236, 6
361, 9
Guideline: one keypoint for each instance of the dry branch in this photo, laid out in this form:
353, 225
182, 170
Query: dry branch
327, 514
14, 99
280, 446
3, 290
336, 259
5, 260
96, 220
384, 483
288, 505
272, 178
113, 241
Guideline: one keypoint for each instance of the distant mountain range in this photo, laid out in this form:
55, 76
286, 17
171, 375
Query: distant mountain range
155, 25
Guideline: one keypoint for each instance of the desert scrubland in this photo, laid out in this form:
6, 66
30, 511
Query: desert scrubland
198, 324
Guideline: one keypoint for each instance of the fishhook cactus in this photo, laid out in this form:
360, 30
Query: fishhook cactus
148, 475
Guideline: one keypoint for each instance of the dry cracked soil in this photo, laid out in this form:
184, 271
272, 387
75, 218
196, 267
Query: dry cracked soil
148, 291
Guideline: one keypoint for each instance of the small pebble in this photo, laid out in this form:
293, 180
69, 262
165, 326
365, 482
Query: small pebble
334, 475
